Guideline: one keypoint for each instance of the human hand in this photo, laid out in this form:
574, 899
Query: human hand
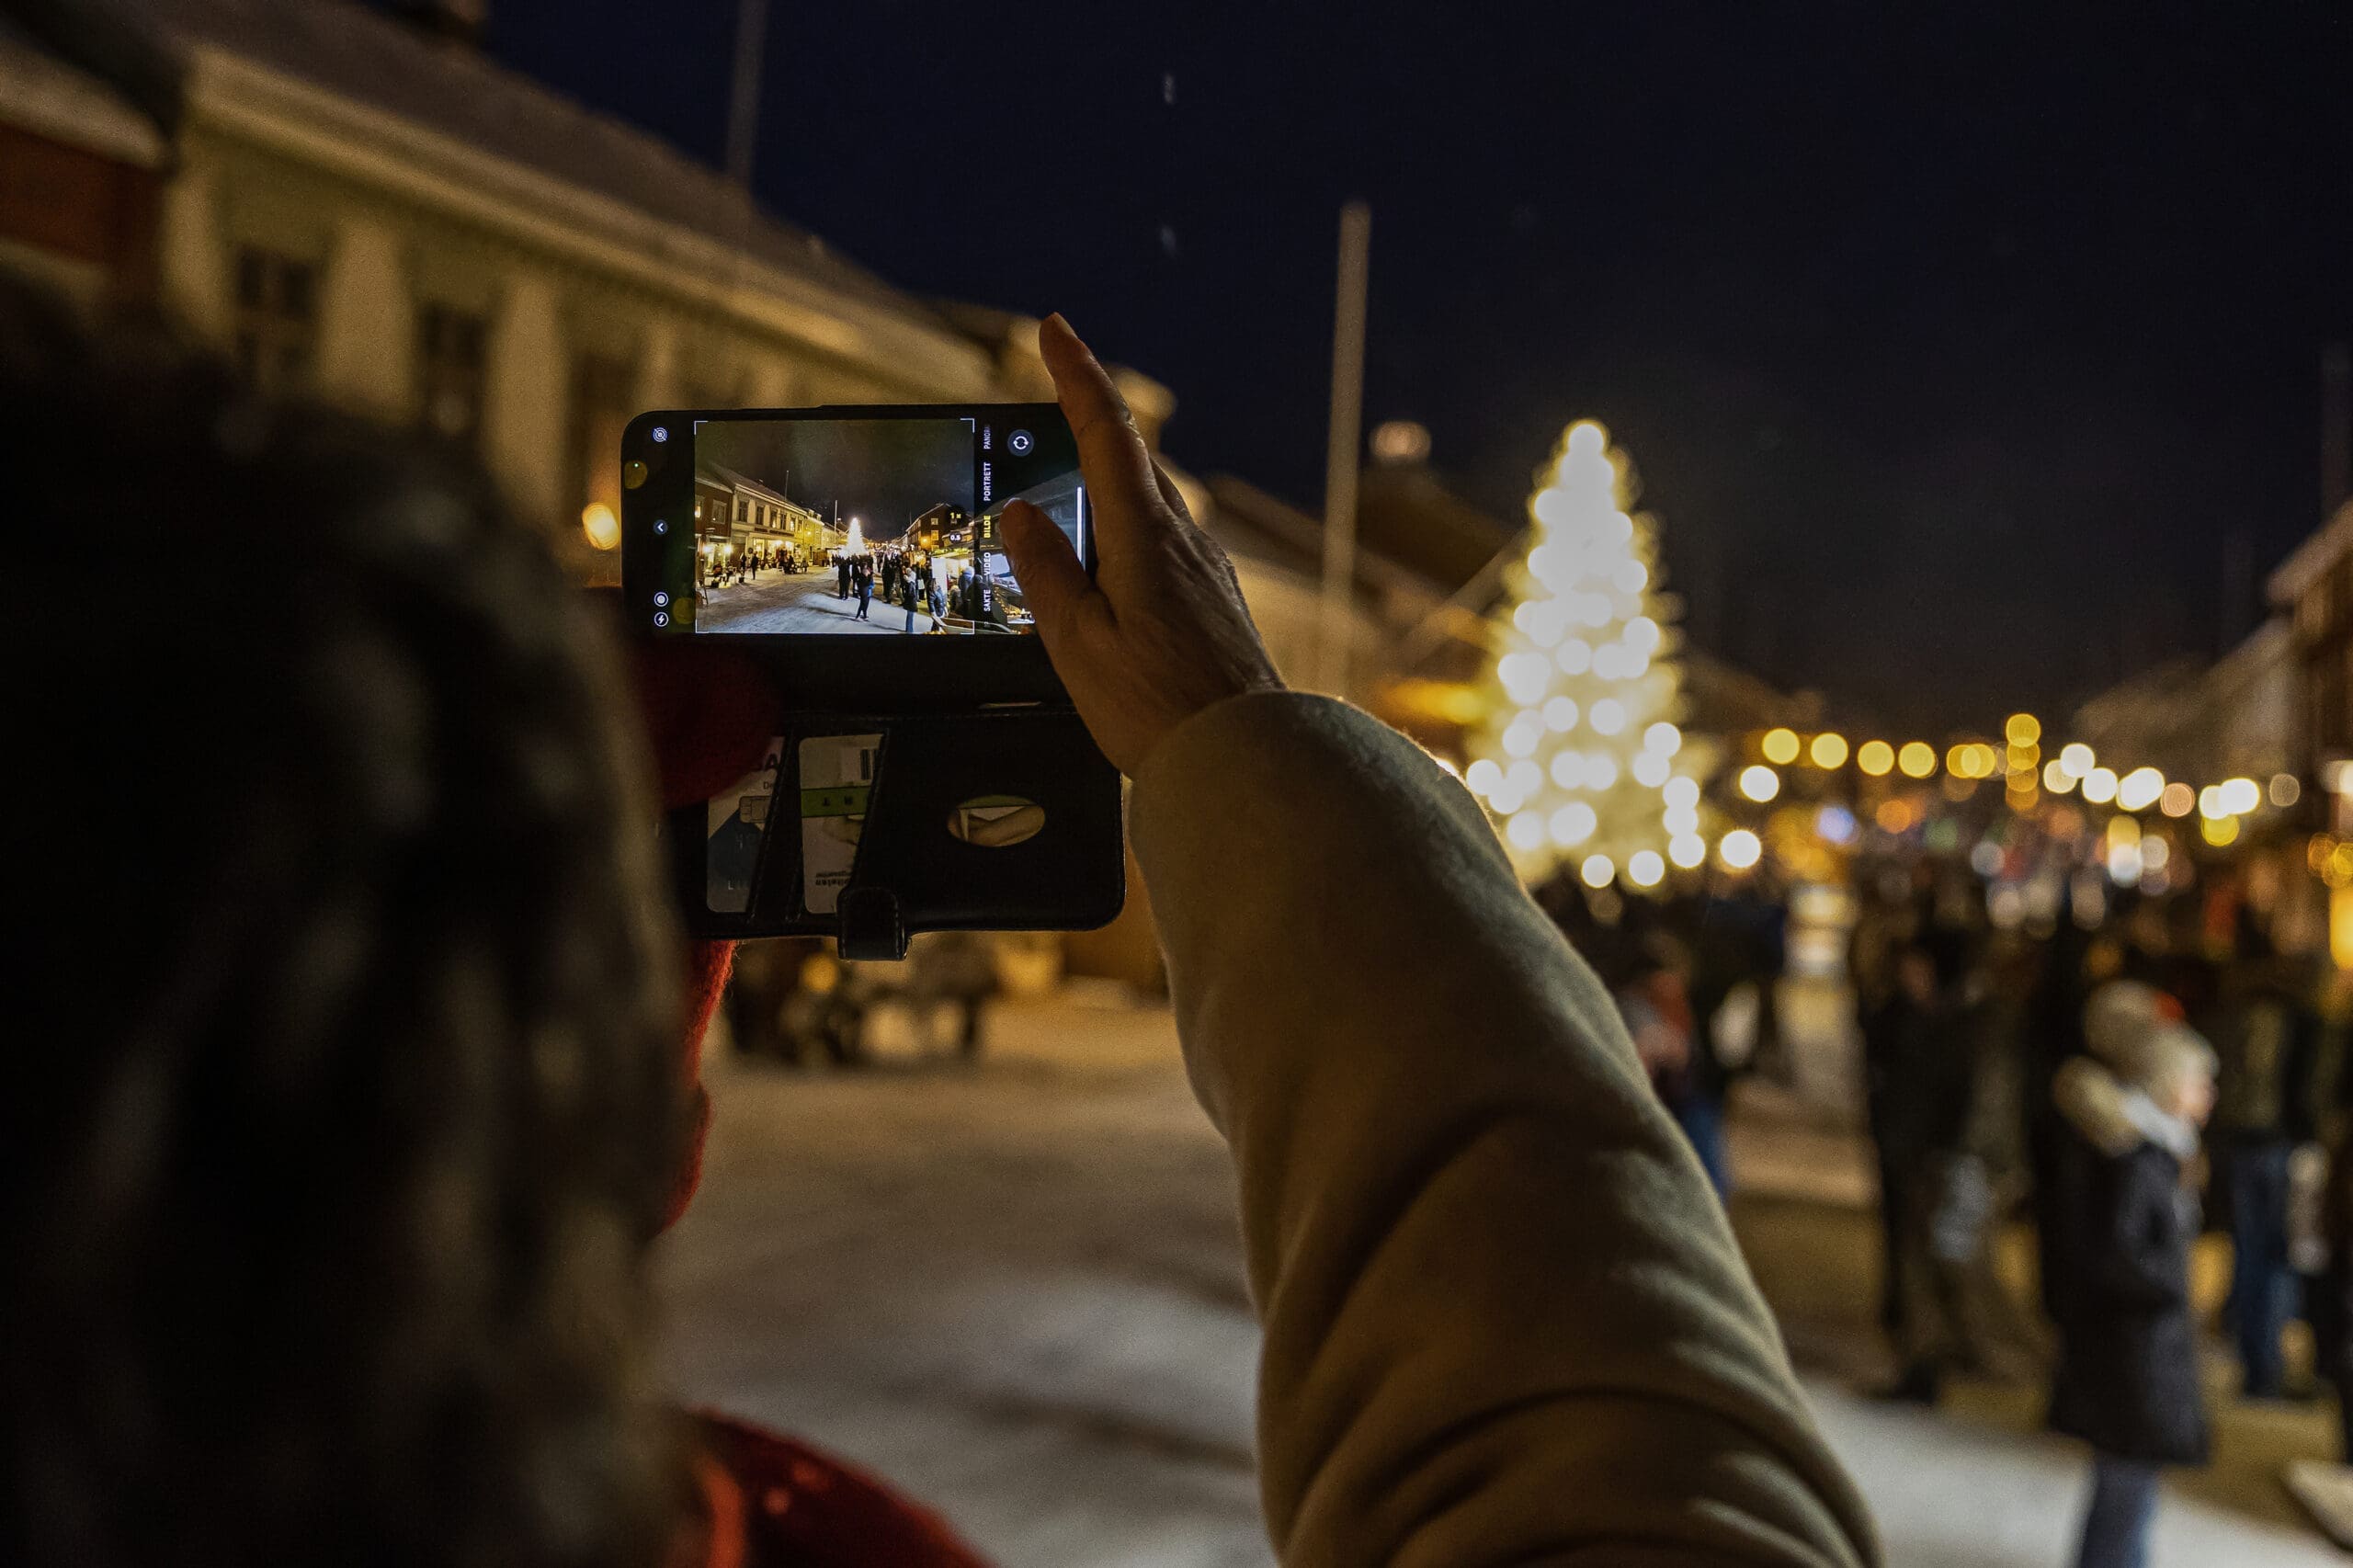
1161, 632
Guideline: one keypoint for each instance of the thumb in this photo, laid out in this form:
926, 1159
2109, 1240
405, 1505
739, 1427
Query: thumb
1053, 582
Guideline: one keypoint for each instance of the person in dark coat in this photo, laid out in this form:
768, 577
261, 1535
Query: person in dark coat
2126, 1380
865, 583
1737, 942
1920, 1063
841, 577
2266, 1035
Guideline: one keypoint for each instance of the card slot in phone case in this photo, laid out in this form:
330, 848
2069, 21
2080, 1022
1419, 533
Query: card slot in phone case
909, 873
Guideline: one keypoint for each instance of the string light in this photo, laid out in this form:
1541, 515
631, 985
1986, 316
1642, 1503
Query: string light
1779, 746
1875, 758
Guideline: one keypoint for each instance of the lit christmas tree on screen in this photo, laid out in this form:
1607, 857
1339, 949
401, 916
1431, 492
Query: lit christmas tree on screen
1581, 759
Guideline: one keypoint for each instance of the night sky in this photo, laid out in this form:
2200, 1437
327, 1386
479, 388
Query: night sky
885, 472
1969, 352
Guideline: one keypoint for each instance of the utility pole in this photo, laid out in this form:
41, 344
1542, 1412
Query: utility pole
1342, 461
743, 101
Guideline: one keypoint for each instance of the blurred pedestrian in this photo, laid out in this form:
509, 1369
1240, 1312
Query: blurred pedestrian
865, 589
1736, 936
1921, 1066
2126, 1380
1654, 1004
841, 576
907, 598
2267, 1036
2332, 1301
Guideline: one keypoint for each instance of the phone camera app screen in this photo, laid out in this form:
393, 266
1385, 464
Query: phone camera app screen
866, 524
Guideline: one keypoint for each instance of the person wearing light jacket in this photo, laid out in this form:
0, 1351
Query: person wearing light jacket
1504, 1316
352, 1095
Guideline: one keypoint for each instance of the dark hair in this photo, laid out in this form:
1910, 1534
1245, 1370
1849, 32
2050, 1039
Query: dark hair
347, 1100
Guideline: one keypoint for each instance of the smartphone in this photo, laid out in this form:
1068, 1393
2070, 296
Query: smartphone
859, 544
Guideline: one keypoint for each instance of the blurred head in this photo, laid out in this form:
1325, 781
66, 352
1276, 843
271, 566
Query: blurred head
2176, 1071
346, 1106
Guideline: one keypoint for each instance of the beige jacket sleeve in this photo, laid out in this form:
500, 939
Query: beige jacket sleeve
1505, 1318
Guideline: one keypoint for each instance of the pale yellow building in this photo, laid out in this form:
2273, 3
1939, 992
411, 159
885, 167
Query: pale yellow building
356, 206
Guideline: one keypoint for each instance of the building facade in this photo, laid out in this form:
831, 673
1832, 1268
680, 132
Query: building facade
357, 208
2314, 589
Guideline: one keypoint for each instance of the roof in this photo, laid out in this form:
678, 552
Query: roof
1407, 513
2311, 559
1281, 534
722, 473
393, 67
41, 92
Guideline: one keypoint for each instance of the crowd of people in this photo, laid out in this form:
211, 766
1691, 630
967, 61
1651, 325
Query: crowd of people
1693, 977
2122, 1085
746, 565
911, 582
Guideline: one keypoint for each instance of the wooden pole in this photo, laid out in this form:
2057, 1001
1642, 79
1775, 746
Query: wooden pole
743, 102
1341, 462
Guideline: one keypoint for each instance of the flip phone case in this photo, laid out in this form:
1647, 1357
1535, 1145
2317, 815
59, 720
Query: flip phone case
927, 775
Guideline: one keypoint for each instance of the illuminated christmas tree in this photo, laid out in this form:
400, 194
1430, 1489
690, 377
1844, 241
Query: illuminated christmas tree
1581, 759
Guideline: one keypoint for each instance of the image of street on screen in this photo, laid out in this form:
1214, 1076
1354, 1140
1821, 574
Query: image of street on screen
868, 525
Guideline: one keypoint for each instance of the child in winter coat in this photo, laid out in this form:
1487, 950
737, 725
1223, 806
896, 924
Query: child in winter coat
2127, 1381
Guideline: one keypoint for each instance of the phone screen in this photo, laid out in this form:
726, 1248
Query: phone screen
867, 523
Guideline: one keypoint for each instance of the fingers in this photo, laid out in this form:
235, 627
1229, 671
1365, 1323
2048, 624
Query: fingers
1053, 582
1111, 451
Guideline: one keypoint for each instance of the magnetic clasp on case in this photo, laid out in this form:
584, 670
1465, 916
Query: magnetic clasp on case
870, 925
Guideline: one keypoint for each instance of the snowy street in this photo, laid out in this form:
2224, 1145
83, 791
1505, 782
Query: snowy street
1016, 1291
779, 602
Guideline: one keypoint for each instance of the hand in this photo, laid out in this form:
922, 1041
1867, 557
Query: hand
1161, 632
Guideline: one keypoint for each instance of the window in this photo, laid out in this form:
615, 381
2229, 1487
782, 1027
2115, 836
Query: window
276, 329
600, 409
449, 371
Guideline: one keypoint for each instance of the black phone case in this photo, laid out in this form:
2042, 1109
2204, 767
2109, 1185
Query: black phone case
910, 873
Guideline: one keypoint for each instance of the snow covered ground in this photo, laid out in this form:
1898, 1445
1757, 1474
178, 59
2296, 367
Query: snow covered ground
1016, 1292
